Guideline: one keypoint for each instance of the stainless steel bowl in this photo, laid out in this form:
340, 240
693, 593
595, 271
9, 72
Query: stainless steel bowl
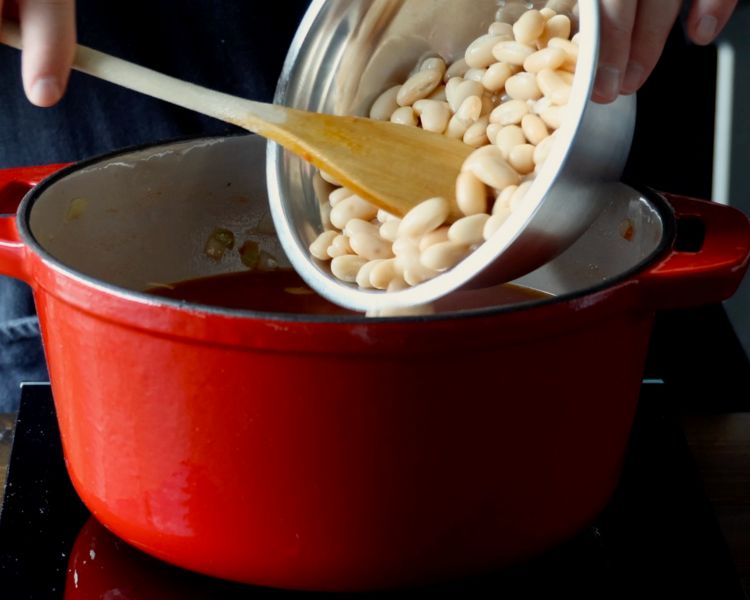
347, 51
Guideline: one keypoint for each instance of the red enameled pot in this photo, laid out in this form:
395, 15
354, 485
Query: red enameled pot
336, 453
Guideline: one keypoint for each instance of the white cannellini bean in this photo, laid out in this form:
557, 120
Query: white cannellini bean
338, 195
424, 217
451, 86
443, 256
457, 93
418, 86
383, 273
496, 75
405, 116
509, 113
489, 166
553, 116
417, 273
523, 86
534, 129
566, 45
356, 226
389, 230
501, 28
470, 109
547, 58
479, 53
521, 158
408, 260
371, 246
456, 69
397, 283
476, 134
434, 63
475, 75
319, 248
557, 26
438, 94
566, 76
346, 267
433, 115
339, 247
492, 131
385, 105
406, 248
350, 208
363, 275
457, 127
529, 27
553, 86
503, 199
547, 12
434, 237
471, 194
513, 53
508, 138
468, 230
494, 223
539, 106
384, 216
571, 50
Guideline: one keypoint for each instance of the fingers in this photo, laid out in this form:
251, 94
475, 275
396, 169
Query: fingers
653, 23
617, 23
707, 18
633, 34
48, 35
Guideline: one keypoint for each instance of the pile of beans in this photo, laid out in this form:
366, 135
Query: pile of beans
506, 98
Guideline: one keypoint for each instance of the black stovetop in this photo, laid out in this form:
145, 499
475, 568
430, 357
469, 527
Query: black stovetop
658, 538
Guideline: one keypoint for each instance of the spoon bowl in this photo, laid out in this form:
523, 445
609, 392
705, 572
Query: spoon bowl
347, 52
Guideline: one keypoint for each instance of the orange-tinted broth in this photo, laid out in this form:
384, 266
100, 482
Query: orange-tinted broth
284, 291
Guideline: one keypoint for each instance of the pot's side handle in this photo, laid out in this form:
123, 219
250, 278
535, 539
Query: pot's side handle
709, 273
14, 183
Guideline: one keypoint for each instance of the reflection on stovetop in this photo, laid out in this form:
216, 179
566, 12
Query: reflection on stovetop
658, 538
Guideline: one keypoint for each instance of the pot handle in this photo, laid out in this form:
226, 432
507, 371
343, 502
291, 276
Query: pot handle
712, 271
14, 183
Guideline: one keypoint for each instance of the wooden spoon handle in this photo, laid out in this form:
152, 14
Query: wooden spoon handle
254, 116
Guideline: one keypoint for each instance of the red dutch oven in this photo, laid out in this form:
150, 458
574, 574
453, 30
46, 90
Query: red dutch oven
336, 452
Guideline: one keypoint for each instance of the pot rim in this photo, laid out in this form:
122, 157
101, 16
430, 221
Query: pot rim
26, 206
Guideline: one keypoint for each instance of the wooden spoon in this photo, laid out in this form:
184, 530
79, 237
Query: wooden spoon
392, 166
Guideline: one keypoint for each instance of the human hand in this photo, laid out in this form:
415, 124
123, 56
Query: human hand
633, 34
48, 33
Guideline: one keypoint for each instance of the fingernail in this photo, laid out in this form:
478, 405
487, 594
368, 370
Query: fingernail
706, 30
633, 78
45, 91
607, 84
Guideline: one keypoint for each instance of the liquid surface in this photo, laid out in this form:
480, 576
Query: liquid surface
284, 291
